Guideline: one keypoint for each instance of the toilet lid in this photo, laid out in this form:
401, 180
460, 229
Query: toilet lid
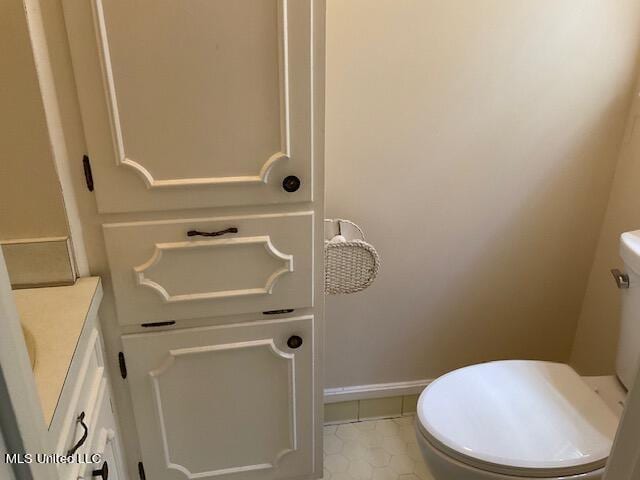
528, 418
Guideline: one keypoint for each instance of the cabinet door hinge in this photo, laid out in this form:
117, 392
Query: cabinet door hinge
123, 365
88, 176
141, 471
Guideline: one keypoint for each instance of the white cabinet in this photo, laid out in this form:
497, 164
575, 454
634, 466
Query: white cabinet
84, 422
207, 116
75, 418
194, 103
232, 401
160, 272
104, 444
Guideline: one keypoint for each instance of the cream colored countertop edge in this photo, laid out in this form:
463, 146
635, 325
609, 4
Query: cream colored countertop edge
55, 316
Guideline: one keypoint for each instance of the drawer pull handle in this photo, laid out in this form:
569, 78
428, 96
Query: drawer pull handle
193, 233
278, 312
83, 439
103, 472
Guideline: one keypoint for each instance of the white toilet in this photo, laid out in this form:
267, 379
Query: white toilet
518, 419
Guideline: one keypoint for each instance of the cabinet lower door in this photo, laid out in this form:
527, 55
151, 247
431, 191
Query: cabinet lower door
226, 401
105, 448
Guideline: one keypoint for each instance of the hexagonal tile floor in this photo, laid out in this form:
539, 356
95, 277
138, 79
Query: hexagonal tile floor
373, 450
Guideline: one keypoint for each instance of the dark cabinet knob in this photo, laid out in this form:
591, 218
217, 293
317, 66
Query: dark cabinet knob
294, 342
103, 472
291, 183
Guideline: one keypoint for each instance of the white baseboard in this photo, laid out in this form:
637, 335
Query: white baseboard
376, 390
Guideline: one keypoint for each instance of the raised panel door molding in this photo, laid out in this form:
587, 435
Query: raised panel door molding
146, 173
277, 451
226, 401
158, 272
208, 105
165, 250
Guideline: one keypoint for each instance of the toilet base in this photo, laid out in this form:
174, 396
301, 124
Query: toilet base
443, 467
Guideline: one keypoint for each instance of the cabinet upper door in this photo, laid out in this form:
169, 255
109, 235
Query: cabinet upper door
194, 103
233, 401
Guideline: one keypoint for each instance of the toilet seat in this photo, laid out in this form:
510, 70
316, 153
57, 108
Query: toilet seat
520, 418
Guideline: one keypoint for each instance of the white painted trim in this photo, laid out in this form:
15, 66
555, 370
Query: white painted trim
20, 241
58, 135
157, 256
170, 360
18, 395
68, 422
376, 390
5, 469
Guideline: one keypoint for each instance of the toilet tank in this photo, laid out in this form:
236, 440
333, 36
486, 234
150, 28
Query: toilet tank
628, 360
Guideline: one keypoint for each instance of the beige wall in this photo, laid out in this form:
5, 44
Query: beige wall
475, 142
594, 351
31, 202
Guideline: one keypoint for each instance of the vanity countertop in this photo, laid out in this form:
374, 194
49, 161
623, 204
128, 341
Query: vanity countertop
56, 316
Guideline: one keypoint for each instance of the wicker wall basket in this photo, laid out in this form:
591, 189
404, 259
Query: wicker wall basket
351, 264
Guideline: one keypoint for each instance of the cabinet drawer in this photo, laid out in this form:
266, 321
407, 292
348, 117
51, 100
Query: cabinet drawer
83, 400
225, 401
160, 272
84, 432
104, 442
